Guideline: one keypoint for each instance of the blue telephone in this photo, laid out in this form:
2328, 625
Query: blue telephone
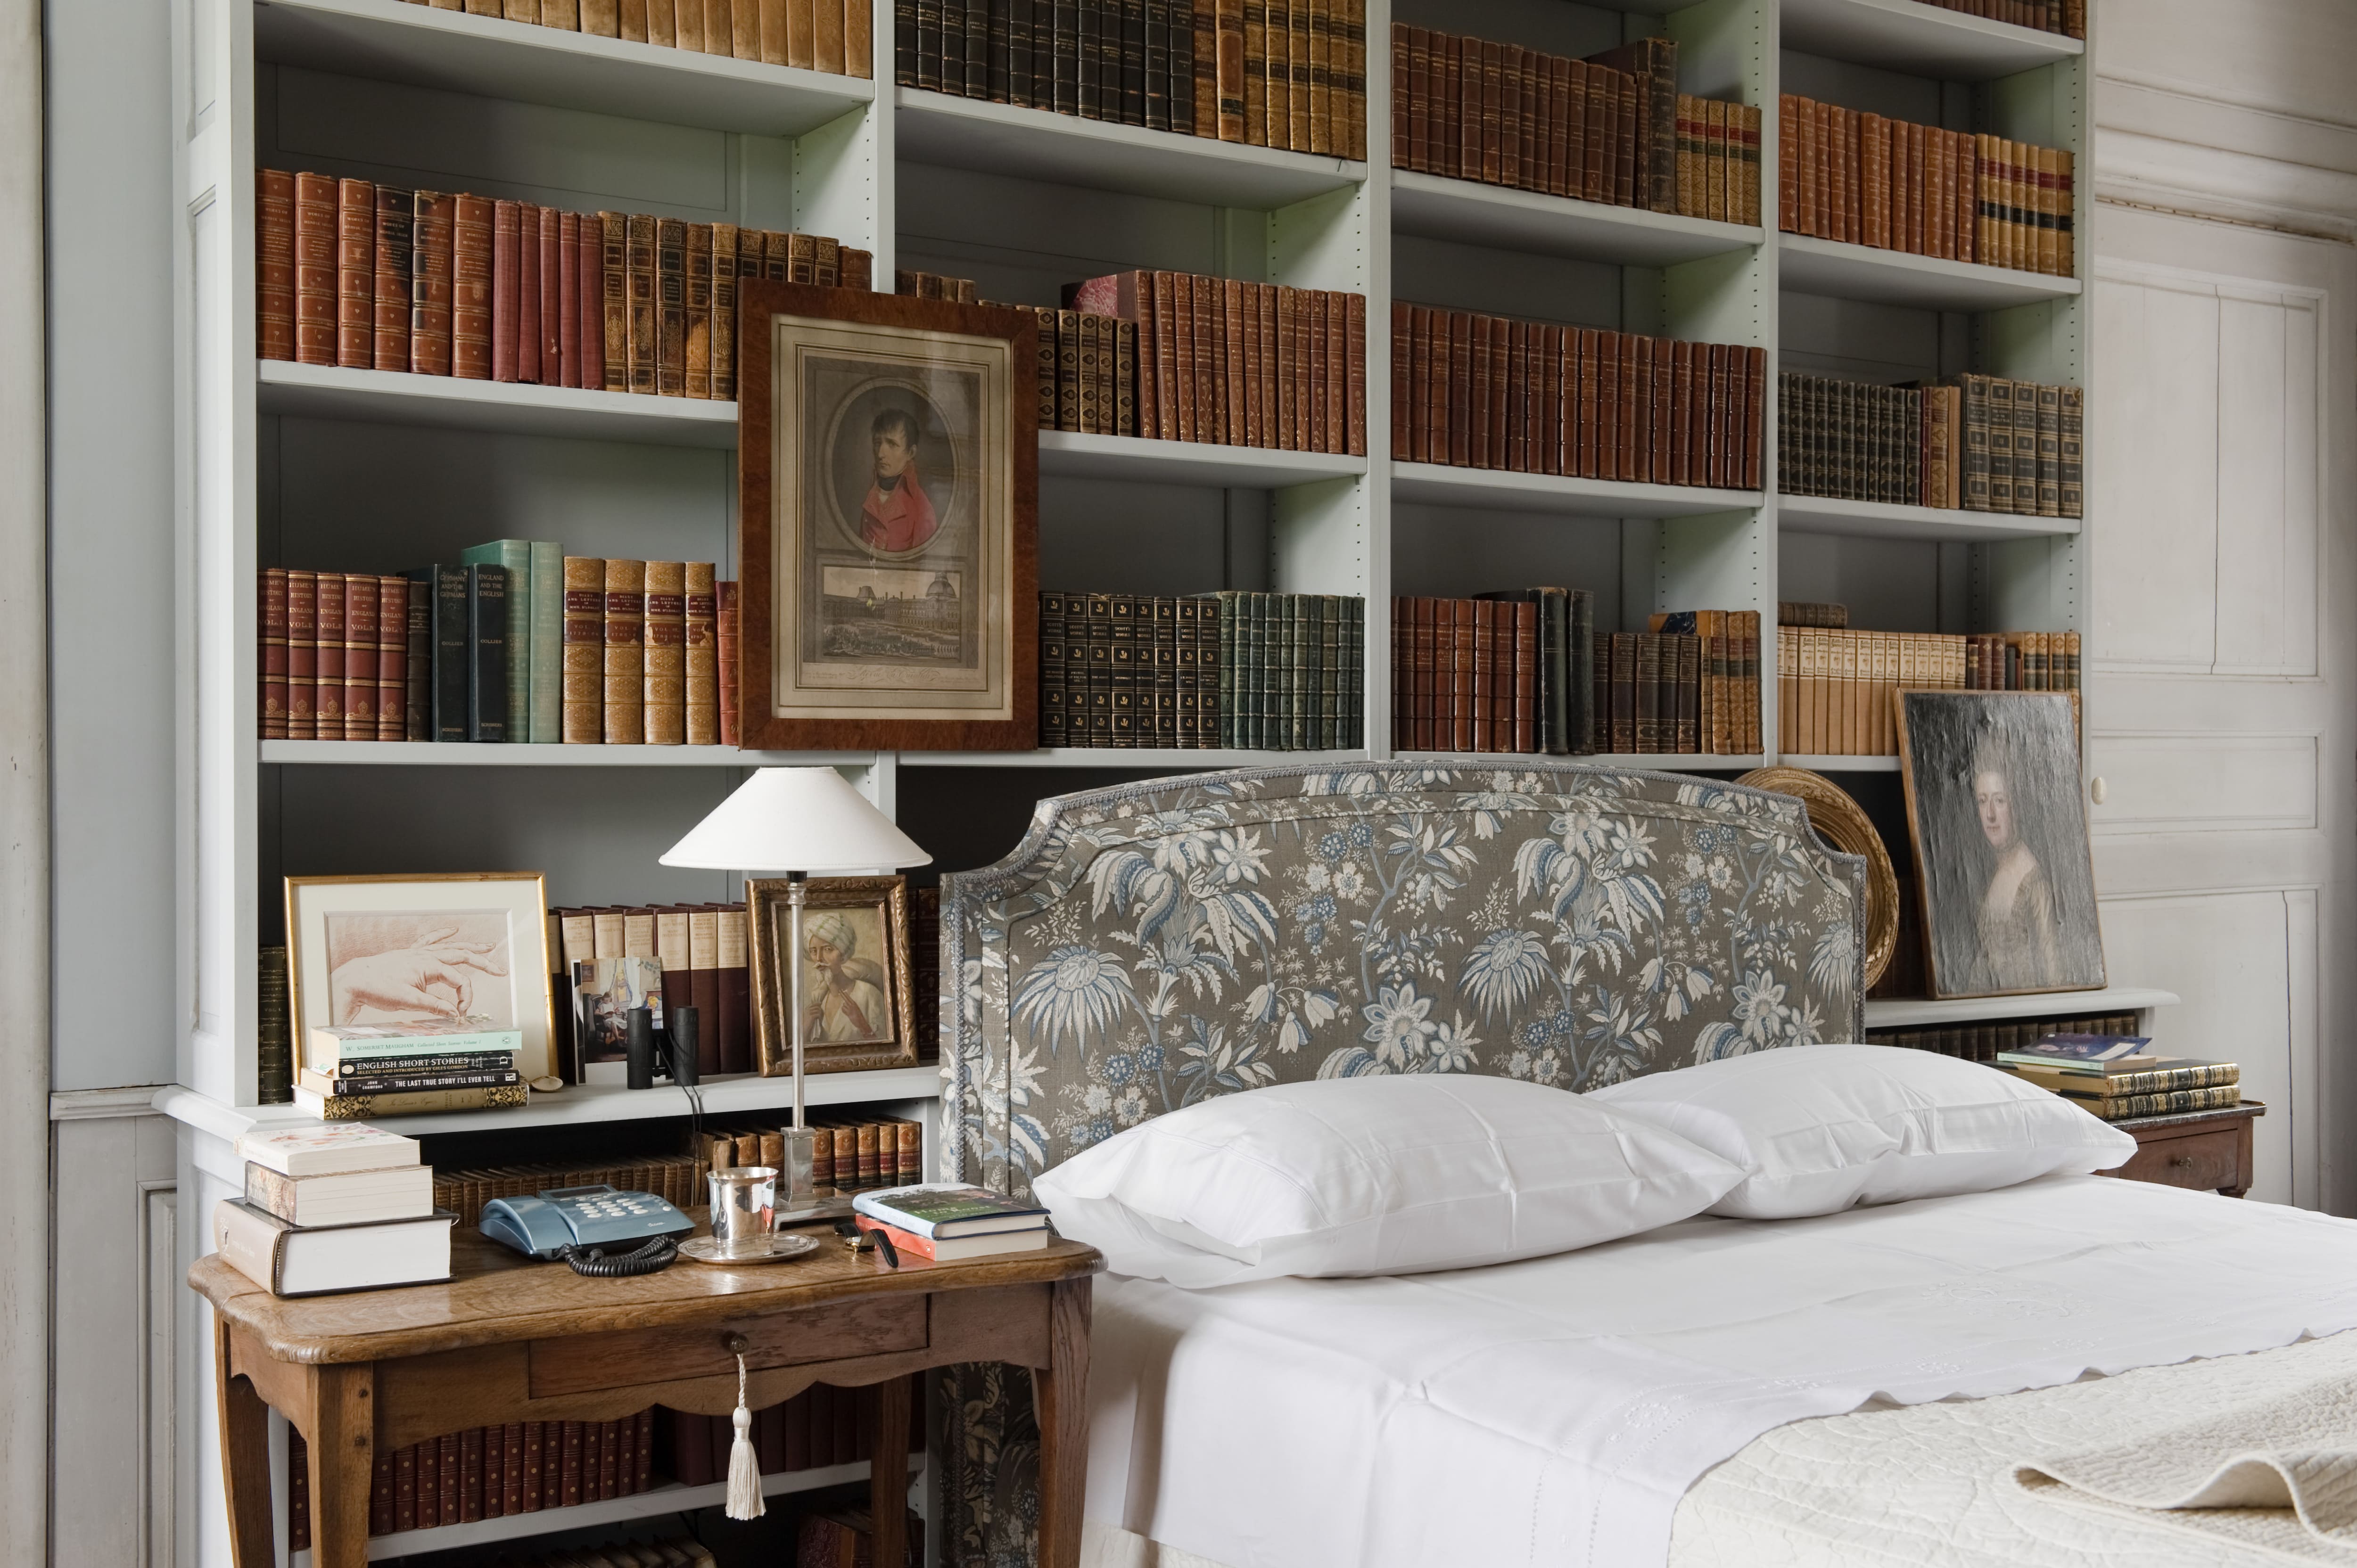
581, 1217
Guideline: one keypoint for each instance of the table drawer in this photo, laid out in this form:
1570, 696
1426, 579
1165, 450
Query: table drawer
584, 1363
2208, 1160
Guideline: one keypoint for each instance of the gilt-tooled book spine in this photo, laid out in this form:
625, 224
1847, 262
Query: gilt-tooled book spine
1130, 649
430, 1102
625, 651
361, 599
730, 642
486, 652
1097, 630
1052, 731
952, 47
355, 275
671, 307
1154, 72
1160, 633
274, 662
583, 721
904, 43
274, 264
925, 43
721, 292
470, 288
643, 343
700, 656
1068, 369
532, 315
1186, 730
665, 653
327, 661
696, 285
1229, 646
316, 262
507, 287
392, 288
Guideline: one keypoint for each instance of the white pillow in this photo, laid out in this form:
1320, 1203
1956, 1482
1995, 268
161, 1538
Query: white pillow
1374, 1176
1821, 1128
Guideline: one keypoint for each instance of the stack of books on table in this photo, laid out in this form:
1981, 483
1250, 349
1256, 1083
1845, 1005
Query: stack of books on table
2116, 1077
338, 1208
353, 1072
950, 1223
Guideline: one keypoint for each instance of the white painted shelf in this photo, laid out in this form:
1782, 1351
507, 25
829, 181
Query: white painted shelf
1172, 760
1644, 762
507, 408
588, 1102
486, 754
1436, 484
1069, 454
1889, 520
1811, 265
1837, 763
1469, 212
492, 58
655, 1502
1897, 1014
1098, 155
1921, 39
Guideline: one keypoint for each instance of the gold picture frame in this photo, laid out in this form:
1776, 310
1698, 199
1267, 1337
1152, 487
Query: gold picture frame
862, 925
1842, 823
506, 920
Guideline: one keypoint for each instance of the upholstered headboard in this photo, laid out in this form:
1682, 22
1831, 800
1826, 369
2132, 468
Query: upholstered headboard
1149, 945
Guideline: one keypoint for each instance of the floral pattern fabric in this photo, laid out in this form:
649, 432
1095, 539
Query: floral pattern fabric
1152, 945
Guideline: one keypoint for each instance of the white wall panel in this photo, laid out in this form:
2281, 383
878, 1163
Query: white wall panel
2228, 954
2188, 782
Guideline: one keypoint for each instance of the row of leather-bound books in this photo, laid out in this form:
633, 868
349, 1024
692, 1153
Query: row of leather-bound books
1974, 442
1267, 671
1274, 74
1485, 392
374, 276
2067, 18
1833, 686
1523, 672
1611, 128
1981, 1041
833, 36
1861, 178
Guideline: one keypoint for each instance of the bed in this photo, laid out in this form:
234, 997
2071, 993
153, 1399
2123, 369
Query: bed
1827, 1391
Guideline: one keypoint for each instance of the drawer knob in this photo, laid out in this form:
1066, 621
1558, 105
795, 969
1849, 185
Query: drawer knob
2098, 790
2182, 1162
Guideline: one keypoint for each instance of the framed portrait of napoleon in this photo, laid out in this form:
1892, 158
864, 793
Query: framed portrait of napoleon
887, 481
2000, 834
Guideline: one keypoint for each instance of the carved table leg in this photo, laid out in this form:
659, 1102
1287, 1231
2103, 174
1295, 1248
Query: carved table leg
245, 1458
342, 1443
888, 1474
1063, 1387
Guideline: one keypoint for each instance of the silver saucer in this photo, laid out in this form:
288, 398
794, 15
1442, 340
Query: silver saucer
780, 1249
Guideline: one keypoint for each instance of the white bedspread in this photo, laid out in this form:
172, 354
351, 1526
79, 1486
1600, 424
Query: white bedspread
1554, 1412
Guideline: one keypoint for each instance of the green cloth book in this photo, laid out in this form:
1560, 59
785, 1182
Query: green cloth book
943, 1210
515, 555
545, 614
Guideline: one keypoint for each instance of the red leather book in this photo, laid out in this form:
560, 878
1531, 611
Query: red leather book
392, 659
302, 655
1638, 432
1207, 314
1754, 402
1433, 337
361, 600
735, 1012
355, 275
404, 1489
1463, 734
513, 1473
271, 700
327, 700
449, 1492
568, 299
528, 291
1161, 360
1681, 413
1631, 408
552, 1464
1411, 379
1609, 349
1402, 699
530, 1472
1255, 372
1512, 372
1526, 675
315, 269
1665, 381
1477, 391
507, 287
470, 1475
689, 1440
554, 275
432, 220
274, 263
1428, 700
1179, 417
495, 1472
395, 209
1591, 418
726, 642
1496, 390
1502, 677
642, 1426
471, 282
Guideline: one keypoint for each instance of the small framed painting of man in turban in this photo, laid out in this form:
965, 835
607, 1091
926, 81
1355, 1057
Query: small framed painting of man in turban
848, 975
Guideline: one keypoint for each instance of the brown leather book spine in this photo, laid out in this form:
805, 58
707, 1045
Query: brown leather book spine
701, 656
728, 640
1354, 373
1682, 424
1551, 390
1179, 417
1526, 675
567, 299
642, 315
274, 264
273, 617
1500, 359
355, 275
1623, 693
327, 701
432, 233
527, 336
1404, 442
722, 291
1479, 646
389, 317
507, 287
417, 685
665, 654
1433, 342
585, 657
315, 254
625, 653
470, 300
670, 308
1460, 646
1611, 349
555, 277
392, 658
1208, 295
696, 285
1754, 418
607, 307
361, 598
1649, 692
1638, 430
1476, 391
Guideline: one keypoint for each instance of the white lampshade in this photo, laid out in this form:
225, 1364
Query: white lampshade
796, 819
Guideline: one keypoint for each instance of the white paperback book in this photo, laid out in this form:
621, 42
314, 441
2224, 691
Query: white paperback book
351, 1197
327, 1150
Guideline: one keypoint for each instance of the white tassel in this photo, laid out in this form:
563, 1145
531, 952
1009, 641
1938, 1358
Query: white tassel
744, 1465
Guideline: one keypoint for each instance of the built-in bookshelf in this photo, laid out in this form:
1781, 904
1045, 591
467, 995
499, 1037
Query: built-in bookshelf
358, 471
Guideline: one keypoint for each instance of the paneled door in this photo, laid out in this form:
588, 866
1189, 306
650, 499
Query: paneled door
2219, 673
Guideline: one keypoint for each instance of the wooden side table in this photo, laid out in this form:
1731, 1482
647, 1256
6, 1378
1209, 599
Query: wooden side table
510, 1338
2206, 1150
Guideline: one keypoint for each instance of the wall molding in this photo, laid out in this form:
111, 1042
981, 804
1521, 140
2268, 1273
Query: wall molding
2137, 168
100, 1104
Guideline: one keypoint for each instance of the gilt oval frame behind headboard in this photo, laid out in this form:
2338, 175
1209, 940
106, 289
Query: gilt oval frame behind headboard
1149, 944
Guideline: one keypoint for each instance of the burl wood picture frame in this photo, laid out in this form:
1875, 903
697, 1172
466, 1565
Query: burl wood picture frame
857, 989
888, 480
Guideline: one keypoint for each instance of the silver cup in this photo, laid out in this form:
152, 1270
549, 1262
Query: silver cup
744, 1202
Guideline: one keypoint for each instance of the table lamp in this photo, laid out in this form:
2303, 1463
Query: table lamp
796, 821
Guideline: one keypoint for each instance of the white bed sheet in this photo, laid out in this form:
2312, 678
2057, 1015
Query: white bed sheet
1554, 1412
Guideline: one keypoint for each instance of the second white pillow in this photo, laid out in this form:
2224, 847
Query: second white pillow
1374, 1176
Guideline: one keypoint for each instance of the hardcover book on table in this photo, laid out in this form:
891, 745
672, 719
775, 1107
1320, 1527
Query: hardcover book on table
287, 1260
327, 1151
943, 1212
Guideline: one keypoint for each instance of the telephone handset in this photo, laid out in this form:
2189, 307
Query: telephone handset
569, 1221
